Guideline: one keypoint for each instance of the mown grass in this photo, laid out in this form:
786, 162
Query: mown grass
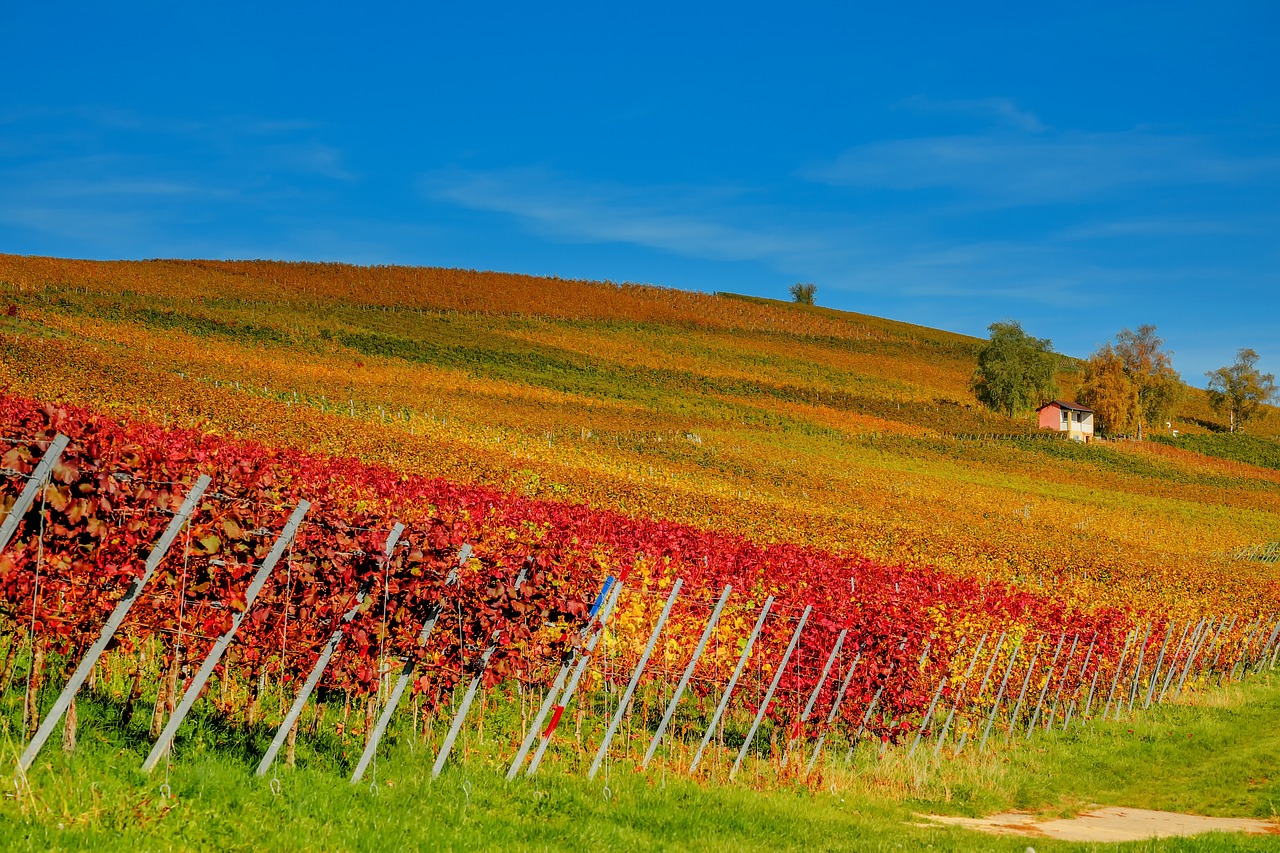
1216, 754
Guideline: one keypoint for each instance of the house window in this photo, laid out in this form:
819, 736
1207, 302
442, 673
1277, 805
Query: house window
1066, 417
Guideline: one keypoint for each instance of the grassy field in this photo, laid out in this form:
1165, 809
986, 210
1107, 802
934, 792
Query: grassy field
1216, 756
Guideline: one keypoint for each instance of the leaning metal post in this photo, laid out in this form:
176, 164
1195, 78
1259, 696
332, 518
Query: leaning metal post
1075, 691
866, 718
733, 680
1026, 682
1137, 672
1035, 716
470, 695
161, 746
584, 658
113, 622
688, 673
773, 686
1115, 679
995, 706
813, 697
835, 709
556, 685
928, 715
995, 655
300, 701
1062, 682
977, 652
406, 674
625, 702
1197, 644
35, 482
1155, 673
1173, 662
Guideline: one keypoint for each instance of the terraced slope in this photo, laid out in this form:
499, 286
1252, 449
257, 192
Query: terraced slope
779, 422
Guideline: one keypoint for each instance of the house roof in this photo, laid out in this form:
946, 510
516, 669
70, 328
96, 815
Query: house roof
1064, 404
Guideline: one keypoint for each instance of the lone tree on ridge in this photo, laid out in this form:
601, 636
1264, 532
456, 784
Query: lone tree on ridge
803, 292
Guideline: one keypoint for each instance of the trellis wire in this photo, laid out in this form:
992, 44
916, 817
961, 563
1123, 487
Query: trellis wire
768, 696
113, 623
625, 701
733, 681
161, 746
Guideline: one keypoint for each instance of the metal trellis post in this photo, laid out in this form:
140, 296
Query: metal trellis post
1155, 673
995, 655
1062, 682
835, 709
300, 701
813, 697
1115, 679
113, 622
1075, 691
733, 680
995, 706
470, 695
35, 482
557, 684
955, 703
1035, 716
406, 674
688, 673
625, 701
579, 669
773, 686
866, 718
161, 746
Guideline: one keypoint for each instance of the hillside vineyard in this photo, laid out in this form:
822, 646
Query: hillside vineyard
647, 487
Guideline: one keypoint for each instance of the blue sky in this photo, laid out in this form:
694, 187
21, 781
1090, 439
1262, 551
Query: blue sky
1080, 169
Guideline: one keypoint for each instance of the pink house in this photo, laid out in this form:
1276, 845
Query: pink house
1072, 418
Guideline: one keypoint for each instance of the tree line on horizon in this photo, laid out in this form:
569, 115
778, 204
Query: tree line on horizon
1129, 384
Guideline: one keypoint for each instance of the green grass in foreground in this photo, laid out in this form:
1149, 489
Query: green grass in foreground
1218, 756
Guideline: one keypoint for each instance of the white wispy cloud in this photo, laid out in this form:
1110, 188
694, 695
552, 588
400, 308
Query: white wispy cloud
1150, 227
1012, 169
1002, 110
880, 256
680, 220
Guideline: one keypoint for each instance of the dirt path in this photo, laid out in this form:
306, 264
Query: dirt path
1109, 824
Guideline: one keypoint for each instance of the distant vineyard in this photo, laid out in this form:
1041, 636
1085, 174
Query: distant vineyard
1247, 449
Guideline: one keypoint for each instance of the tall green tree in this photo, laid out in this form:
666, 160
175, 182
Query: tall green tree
1108, 390
1149, 367
1015, 370
1241, 389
